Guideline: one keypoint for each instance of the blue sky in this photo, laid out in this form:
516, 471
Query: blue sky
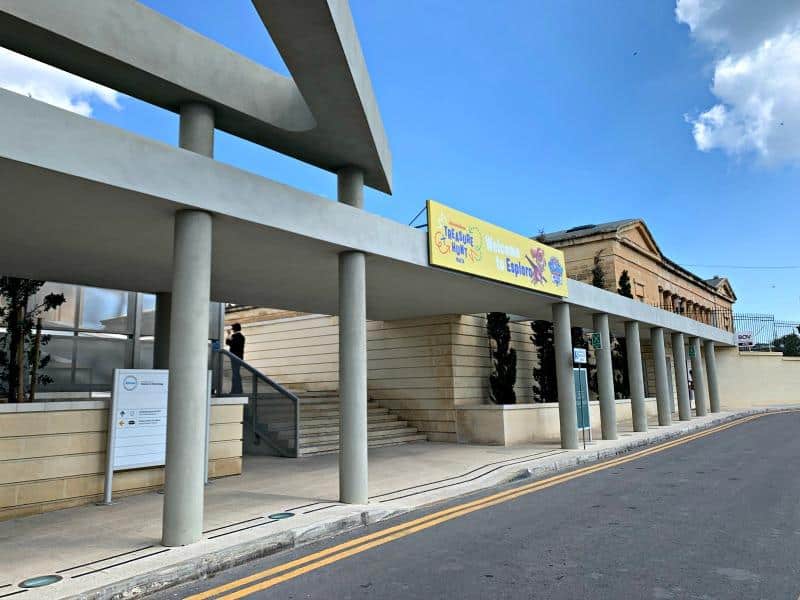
550, 114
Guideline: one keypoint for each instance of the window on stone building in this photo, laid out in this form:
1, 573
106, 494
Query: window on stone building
638, 291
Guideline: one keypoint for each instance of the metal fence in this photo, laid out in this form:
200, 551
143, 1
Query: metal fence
716, 317
763, 330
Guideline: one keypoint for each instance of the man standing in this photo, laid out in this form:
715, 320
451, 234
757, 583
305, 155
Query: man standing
235, 343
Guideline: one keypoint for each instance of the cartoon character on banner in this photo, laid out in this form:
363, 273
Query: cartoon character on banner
556, 270
537, 262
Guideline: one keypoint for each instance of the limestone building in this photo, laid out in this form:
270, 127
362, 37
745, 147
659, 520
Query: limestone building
655, 279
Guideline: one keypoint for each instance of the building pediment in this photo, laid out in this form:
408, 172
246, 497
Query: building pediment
637, 234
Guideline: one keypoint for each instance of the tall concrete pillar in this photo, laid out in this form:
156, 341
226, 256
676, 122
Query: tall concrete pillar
605, 379
188, 352
353, 441
699, 379
567, 408
161, 330
635, 376
681, 377
711, 375
663, 401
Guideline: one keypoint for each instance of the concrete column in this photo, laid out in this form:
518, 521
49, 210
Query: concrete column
188, 352
663, 401
711, 375
605, 380
699, 379
350, 186
681, 377
161, 330
635, 376
567, 408
353, 456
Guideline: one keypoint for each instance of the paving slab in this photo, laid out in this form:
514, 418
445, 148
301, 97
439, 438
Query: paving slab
114, 551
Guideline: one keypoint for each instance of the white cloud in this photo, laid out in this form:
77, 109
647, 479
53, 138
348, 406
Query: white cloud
38, 80
756, 77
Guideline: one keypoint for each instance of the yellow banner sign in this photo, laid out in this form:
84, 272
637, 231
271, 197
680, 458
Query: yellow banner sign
463, 243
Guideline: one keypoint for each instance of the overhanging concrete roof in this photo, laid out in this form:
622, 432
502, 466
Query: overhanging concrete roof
326, 114
88, 203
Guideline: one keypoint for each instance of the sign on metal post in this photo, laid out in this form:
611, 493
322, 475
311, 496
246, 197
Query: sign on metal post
582, 402
690, 351
579, 356
744, 339
137, 423
597, 341
461, 242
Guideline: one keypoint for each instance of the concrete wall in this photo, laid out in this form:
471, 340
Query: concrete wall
52, 455
410, 362
757, 378
526, 423
418, 368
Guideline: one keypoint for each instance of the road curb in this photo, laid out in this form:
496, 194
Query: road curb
214, 562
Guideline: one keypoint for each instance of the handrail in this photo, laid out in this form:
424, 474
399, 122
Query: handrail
259, 376
272, 383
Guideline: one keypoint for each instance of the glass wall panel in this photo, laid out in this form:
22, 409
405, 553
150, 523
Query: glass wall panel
97, 357
61, 349
64, 315
105, 310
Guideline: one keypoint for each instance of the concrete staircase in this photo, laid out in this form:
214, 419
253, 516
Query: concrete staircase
319, 426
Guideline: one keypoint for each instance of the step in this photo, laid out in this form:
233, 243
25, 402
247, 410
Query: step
330, 421
379, 443
316, 439
307, 423
328, 406
334, 429
316, 414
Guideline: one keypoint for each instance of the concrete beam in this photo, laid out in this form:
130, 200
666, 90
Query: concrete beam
326, 115
86, 175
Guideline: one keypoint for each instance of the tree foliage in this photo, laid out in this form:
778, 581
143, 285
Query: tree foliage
624, 288
545, 388
504, 360
788, 344
598, 274
18, 350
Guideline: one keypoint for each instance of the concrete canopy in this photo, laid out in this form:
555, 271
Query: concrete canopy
326, 115
92, 204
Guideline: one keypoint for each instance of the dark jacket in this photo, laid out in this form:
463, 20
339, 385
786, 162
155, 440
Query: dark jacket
236, 344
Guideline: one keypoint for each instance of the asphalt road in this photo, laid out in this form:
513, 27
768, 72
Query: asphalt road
717, 517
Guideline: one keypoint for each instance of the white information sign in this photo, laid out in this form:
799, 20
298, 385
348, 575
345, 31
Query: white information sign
744, 339
139, 402
579, 356
137, 423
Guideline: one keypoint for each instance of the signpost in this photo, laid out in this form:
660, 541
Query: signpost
137, 423
579, 356
582, 402
690, 351
744, 339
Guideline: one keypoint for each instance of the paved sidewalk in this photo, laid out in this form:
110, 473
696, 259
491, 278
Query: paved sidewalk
102, 551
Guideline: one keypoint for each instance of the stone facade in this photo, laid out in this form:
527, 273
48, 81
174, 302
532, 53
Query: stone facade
656, 280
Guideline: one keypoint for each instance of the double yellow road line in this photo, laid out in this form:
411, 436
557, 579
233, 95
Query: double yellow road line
273, 576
